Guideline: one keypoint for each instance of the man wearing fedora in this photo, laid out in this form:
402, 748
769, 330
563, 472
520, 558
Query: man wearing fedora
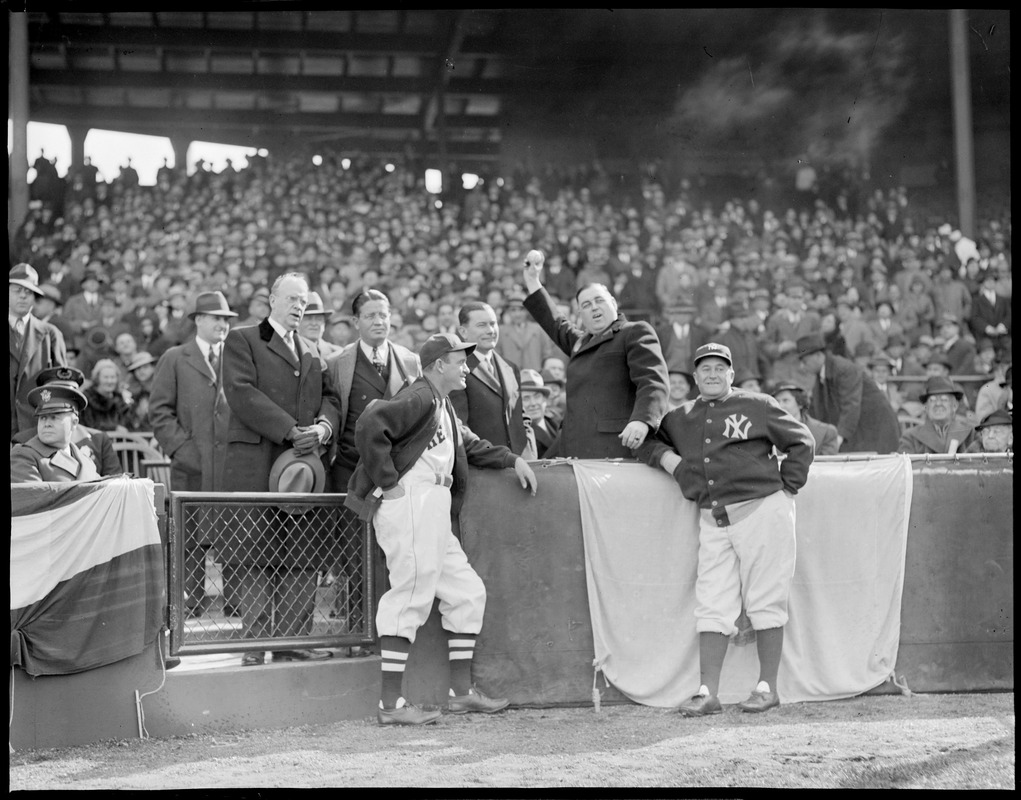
995, 433
280, 399
719, 449
313, 325
535, 405
93, 443
51, 455
680, 336
942, 430
410, 483
843, 394
189, 416
83, 309
34, 345
490, 403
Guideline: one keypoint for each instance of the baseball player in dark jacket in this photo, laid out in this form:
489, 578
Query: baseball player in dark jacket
410, 481
718, 447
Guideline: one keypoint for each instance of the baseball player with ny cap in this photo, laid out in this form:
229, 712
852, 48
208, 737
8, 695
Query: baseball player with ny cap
410, 480
718, 448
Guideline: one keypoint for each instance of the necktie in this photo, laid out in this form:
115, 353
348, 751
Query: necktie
377, 360
289, 340
214, 361
16, 336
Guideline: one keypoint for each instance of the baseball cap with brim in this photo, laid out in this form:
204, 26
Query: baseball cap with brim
213, 303
810, 343
940, 385
998, 416
439, 344
297, 474
56, 398
26, 276
531, 381
713, 349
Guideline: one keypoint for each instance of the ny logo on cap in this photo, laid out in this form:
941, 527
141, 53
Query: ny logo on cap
737, 427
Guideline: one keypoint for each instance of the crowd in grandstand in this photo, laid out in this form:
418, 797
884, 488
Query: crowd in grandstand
886, 280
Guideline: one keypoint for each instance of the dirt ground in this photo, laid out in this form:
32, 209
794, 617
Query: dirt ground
923, 741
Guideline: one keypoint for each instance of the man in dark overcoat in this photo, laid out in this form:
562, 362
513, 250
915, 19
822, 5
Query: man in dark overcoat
846, 396
189, 416
279, 398
617, 384
35, 345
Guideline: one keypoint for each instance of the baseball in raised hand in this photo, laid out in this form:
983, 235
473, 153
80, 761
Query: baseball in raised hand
533, 267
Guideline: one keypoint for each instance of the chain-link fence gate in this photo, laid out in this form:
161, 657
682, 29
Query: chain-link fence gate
248, 572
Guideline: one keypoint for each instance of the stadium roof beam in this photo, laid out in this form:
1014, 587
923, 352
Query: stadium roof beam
261, 83
120, 117
246, 40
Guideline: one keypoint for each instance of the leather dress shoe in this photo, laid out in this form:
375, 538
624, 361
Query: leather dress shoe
301, 655
701, 705
475, 701
760, 701
408, 714
253, 659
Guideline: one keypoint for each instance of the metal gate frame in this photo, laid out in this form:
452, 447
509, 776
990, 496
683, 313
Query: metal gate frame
180, 501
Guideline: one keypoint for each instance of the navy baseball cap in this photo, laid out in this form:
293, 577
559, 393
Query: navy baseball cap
713, 349
439, 344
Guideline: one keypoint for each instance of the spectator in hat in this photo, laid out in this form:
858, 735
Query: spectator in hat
719, 448
557, 384
881, 369
741, 338
189, 416
854, 328
884, 326
681, 384
177, 328
110, 404
845, 396
280, 399
959, 352
990, 316
794, 400
139, 385
313, 325
83, 310
92, 443
942, 431
617, 383
995, 433
680, 336
918, 304
51, 455
522, 341
950, 295
784, 327
48, 308
258, 309
411, 480
490, 403
535, 405
34, 345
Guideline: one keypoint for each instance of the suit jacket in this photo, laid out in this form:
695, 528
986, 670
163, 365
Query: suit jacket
924, 438
850, 399
269, 390
882, 337
825, 436
42, 346
392, 434
189, 416
613, 378
492, 407
80, 314
961, 356
780, 328
35, 461
984, 313
678, 352
545, 435
91, 443
527, 346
